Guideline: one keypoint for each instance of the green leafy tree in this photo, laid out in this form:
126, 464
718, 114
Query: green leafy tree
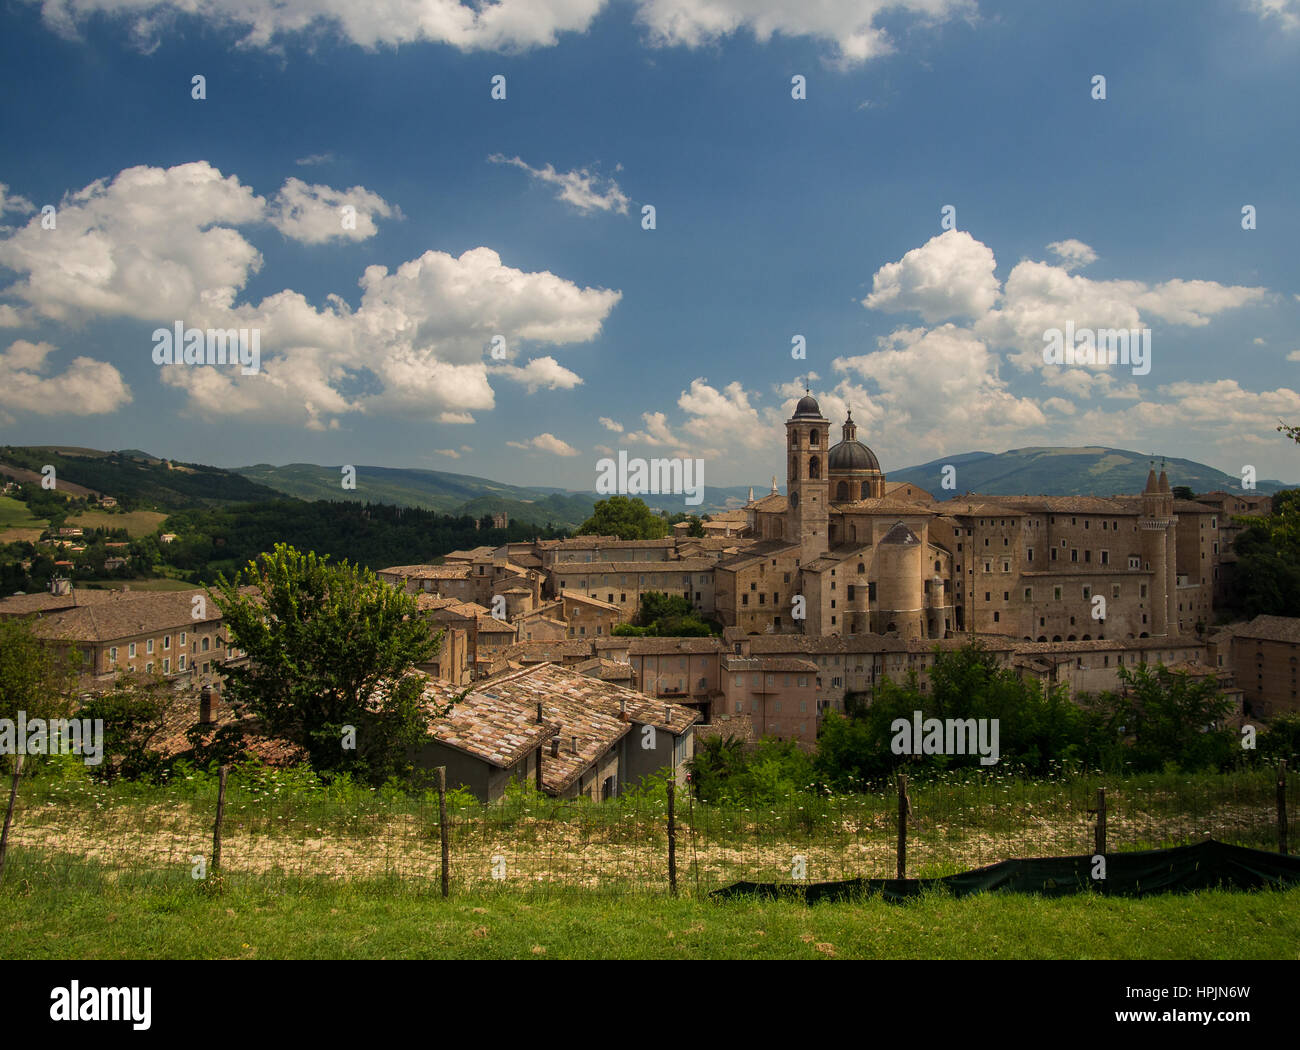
35, 677
134, 713
328, 646
1174, 719
628, 519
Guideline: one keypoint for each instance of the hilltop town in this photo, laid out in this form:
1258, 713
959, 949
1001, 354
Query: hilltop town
821, 591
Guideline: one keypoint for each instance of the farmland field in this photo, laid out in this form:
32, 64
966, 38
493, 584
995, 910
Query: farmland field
17, 523
136, 522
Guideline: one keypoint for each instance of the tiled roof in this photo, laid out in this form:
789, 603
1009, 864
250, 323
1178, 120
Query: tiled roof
578, 596
491, 726
129, 614
534, 652
44, 601
883, 505
678, 565
427, 572
1270, 629
672, 646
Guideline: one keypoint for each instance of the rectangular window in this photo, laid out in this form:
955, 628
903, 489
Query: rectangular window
148, 646
112, 654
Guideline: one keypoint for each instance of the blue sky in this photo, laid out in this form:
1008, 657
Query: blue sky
775, 217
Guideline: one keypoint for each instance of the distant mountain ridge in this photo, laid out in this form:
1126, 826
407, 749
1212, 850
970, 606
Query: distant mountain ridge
1091, 470
172, 485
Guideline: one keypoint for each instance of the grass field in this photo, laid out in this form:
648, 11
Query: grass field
136, 522
324, 871
17, 523
386, 920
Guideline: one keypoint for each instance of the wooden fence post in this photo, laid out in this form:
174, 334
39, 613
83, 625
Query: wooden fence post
221, 815
903, 808
1282, 807
672, 836
442, 830
1099, 845
9, 813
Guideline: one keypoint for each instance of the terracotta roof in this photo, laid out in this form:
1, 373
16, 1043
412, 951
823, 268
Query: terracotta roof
673, 646
578, 596
534, 652
883, 505
486, 724
44, 601
129, 614
427, 572
678, 565
605, 670
1269, 629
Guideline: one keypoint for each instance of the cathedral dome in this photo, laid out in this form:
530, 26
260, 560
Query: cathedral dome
850, 456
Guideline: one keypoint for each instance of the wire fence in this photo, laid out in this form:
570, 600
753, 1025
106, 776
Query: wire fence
275, 835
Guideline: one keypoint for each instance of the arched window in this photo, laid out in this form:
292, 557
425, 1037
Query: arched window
794, 439
866, 490
814, 468
812, 437
842, 490
1042, 637
794, 466
938, 569
861, 567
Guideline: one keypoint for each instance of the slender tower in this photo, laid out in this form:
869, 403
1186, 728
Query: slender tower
807, 443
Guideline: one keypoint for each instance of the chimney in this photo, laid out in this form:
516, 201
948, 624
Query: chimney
208, 701
622, 708
539, 711
668, 713
575, 745
555, 747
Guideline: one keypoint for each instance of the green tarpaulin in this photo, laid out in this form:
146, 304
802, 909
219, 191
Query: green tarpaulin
1202, 866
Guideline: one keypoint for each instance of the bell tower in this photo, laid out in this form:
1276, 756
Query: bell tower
807, 485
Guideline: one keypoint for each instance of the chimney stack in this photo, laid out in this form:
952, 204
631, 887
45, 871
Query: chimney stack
622, 708
207, 705
539, 711
555, 747
575, 745
668, 713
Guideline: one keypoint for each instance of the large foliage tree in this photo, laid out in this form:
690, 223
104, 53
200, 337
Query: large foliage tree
328, 646
35, 678
628, 519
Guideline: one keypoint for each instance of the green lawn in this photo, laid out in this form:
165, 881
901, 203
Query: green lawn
382, 920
